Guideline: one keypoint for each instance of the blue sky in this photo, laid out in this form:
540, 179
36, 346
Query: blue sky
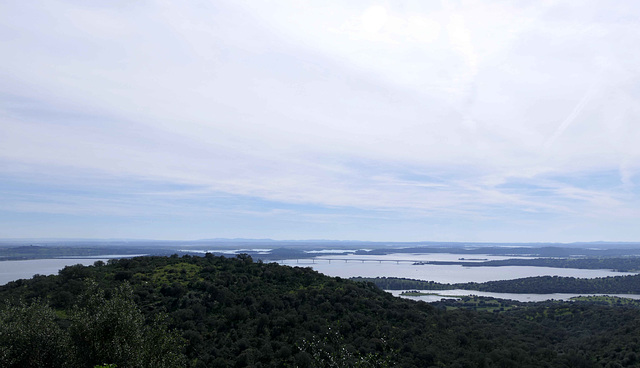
503, 121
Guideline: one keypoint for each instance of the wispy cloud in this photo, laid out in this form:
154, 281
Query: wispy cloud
398, 116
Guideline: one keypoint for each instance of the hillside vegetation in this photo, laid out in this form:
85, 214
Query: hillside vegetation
234, 312
629, 284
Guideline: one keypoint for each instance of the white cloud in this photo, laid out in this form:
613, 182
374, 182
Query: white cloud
331, 104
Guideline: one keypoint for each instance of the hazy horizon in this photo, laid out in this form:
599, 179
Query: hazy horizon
426, 243
453, 121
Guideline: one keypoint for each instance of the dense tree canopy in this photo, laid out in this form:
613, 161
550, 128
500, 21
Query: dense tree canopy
99, 329
233, 312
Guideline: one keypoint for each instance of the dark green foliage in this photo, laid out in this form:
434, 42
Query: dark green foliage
397, 283
528, 285
233, 312
100, 330
113, 330
331, 352
30, 337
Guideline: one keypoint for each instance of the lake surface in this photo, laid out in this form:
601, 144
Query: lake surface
390, 265
442, 294
401, 265
14, 270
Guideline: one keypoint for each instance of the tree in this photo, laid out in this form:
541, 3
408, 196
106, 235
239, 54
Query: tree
113, 330
30, 337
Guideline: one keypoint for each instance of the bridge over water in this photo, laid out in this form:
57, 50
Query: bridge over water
347, 260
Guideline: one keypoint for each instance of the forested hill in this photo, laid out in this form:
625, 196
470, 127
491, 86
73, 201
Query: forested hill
233, 312
629, 284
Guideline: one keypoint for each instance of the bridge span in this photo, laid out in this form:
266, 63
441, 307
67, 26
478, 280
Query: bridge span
315, 260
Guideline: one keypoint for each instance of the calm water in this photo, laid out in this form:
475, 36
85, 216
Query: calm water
391, 265
379, 266
519, 297
14, 270
401, 265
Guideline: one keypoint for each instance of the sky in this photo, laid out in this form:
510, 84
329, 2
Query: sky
487, 121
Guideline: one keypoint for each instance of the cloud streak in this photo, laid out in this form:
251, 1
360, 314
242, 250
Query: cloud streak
570, 118
402, 117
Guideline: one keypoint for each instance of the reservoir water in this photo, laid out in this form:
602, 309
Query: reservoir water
14, 270
401, 265
352, 265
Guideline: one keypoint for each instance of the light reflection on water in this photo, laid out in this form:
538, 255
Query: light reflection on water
385, 266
